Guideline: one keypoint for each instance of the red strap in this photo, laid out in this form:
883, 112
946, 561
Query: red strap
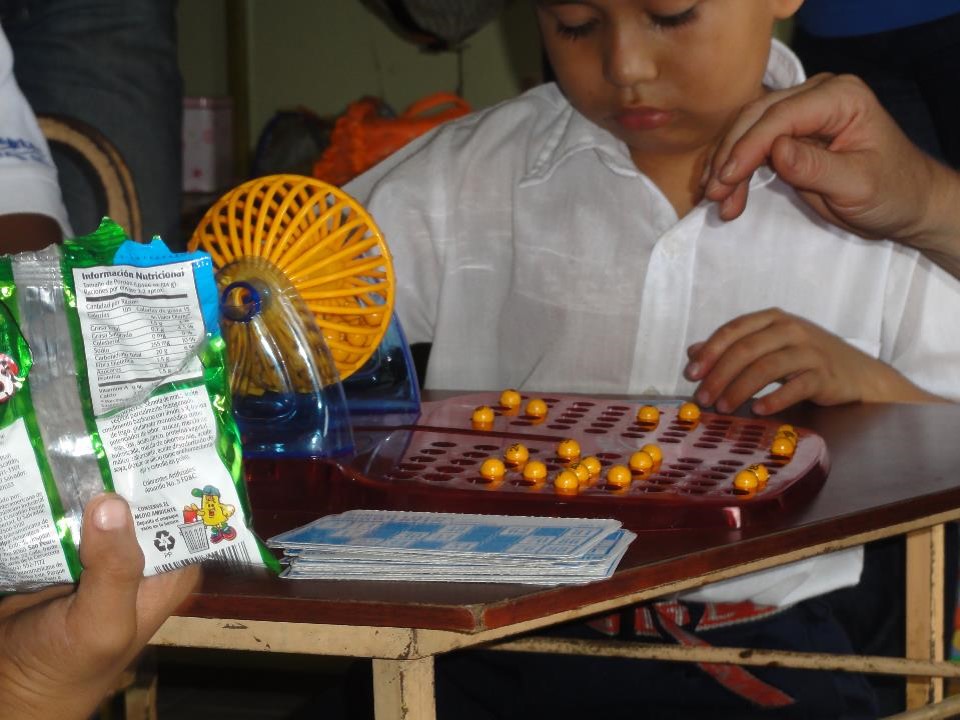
732, 677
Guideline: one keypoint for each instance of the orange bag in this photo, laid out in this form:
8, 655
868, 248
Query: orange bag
363, 136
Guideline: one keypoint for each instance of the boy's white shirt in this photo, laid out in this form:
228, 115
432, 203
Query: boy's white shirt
533, 254
28, 177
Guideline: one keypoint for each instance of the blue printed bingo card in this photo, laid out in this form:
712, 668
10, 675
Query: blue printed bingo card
450, 533
447, 547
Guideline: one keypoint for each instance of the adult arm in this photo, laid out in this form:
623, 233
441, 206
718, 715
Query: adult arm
831, 139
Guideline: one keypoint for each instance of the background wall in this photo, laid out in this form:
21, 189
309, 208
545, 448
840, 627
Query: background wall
322, 54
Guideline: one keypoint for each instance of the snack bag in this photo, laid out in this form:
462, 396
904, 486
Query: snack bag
112, 376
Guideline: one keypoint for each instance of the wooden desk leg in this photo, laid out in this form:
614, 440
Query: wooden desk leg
924, 621
404, 690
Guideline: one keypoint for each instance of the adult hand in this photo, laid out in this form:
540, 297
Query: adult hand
848, 159
61, 650
752, 351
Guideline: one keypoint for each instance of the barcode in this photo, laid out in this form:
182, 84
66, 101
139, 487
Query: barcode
232, 555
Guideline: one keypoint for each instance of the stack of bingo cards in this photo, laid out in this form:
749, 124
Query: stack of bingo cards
453, 547
112, 377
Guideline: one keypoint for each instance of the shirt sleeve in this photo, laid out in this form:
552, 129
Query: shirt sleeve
28, 177
404, 195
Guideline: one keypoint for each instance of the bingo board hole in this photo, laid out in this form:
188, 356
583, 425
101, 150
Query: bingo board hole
486, 448
558, 426
609, 455
443, 444
437, 477
650, 489
423, 459
740, 451
706, 446
671, 440
411, 467
690, 460
691, 491
449, 469
634, 435
465, 462
474, 454
672, 474
433, 451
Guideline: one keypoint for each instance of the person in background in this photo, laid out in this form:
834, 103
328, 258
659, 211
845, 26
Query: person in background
113, 65
560, 241
32, 214
907, 52
61, 649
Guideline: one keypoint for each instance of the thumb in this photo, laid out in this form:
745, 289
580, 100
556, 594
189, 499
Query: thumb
104, 611
811, 167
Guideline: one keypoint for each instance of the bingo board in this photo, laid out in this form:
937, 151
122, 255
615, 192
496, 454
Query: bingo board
434, 464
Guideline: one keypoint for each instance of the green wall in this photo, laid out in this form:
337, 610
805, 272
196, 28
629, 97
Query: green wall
322, 54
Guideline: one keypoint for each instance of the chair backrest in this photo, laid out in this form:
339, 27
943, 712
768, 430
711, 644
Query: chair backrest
107, 172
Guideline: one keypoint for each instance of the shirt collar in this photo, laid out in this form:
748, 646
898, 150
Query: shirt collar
569, 132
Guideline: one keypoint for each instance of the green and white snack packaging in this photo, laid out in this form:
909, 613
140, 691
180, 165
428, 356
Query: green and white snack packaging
113, 377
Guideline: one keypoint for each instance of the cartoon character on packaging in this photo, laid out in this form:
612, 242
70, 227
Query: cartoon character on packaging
213, 513
9, 382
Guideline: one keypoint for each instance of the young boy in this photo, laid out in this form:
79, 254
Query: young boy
559, 241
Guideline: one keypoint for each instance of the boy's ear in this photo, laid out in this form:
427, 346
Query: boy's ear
783, 9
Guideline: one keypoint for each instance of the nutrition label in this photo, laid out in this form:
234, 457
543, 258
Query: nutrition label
31, 550
140, 326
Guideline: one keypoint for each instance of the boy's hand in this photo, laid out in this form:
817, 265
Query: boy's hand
831, 139
770, 346
62, 650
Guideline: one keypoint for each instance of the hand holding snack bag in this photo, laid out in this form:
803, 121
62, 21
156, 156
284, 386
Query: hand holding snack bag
112, 377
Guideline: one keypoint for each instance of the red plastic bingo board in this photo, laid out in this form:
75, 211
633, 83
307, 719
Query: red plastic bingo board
434, 464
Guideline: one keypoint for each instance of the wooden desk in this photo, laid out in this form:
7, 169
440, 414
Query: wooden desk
894, 471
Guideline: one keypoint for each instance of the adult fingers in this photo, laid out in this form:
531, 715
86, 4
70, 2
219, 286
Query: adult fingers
841, 178
160, 595
816, 109
103, 614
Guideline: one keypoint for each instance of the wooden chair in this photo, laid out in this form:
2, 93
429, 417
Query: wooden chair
103, 165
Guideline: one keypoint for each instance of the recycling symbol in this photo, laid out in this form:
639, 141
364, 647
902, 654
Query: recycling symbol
164, 541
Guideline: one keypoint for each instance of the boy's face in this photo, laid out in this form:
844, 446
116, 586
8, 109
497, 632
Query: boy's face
664, 76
